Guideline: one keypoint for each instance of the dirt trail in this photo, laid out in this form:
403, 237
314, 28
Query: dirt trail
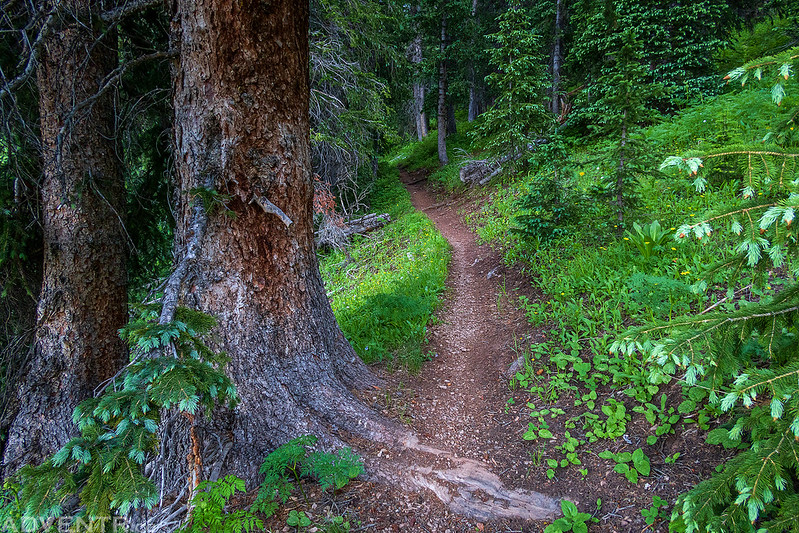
464, 389
458, 402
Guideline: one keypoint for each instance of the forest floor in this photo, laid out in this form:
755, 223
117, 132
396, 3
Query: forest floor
461, 401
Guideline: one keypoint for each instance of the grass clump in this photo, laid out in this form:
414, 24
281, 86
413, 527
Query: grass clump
384, 296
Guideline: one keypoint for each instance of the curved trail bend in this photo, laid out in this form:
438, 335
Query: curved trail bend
459, 398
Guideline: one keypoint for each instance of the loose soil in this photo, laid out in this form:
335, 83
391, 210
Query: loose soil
461, 402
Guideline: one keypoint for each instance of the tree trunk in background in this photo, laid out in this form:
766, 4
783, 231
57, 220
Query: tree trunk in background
83, 299
557, 57
452, 127
241, 128
418, 110
420, 118
621, 171
442, 96
474, 105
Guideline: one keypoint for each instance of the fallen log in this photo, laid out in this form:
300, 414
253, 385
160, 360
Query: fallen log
337, 233
473, 172
481, 171
366, 223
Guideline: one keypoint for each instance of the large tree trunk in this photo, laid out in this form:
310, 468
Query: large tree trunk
83, 300
241, 128
442, 96
244, 132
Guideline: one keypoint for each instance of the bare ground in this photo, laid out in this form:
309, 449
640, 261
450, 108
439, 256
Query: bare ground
460, 402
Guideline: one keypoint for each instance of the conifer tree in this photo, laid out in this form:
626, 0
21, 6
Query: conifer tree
519, 115
621, 104
681, 41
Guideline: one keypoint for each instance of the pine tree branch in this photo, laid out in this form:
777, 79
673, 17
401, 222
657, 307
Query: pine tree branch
35, 49
764, 383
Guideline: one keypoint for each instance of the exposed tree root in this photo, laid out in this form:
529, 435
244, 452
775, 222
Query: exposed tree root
466, 486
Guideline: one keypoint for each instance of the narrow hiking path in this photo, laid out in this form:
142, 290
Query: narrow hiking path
463, 391
458, 401
469, 451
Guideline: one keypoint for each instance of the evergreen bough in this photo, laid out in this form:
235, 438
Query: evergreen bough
171, 368
745, 356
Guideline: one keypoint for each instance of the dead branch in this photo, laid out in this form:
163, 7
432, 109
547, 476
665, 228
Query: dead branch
271, 208
481, 171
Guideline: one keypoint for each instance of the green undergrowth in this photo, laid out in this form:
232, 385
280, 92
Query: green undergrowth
586, 392
384, 295
424, 155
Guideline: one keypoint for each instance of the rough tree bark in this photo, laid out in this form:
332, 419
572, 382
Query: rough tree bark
83, 299
241, 129
442, 95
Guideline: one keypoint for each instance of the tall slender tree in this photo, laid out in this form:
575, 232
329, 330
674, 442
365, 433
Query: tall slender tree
557, 55
624, 102
443, 159
519, 115
415, 52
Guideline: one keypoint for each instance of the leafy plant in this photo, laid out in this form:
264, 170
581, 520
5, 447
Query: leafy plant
660, 416
569, 450
208, 513
671, 459
298, 519
572, 520
277, 483
615, 425
213, 200
288, 463
333, 469
656, 511
10, 506
658, 296
648, 238
629, 464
